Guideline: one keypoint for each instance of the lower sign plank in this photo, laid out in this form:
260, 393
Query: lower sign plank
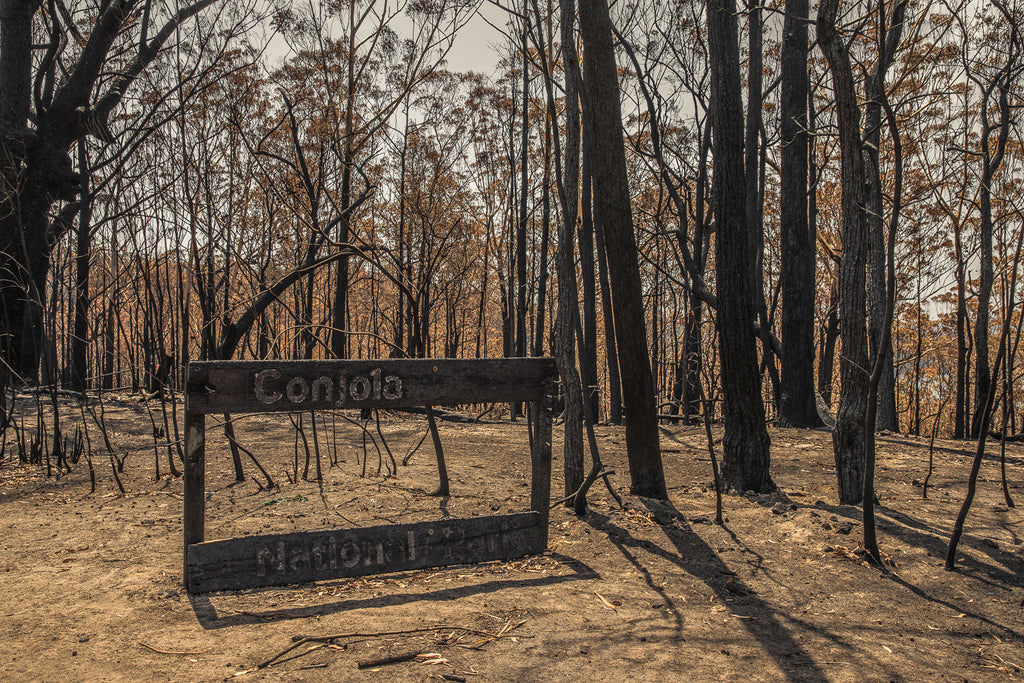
278, 559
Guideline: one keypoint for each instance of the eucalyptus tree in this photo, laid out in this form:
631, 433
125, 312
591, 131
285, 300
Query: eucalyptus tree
746, 445
848, 437
797, 234
65, 71
613, 200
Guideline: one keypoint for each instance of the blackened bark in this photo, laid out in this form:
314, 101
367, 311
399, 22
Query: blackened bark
701, 246
991, 160
647, 476
797, 407
754, 166
887, 417
524, 188
35, 166
848, 435
827, 345
567, 315
960, 409
539, 332
611, 348
79, 339
746, 446
588, 360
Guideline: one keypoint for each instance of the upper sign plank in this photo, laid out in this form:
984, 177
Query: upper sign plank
277, 386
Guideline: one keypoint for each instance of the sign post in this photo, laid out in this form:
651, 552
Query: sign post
290, 386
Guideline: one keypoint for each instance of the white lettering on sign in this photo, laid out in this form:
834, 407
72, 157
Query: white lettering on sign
261, 392
328, 554
324, 389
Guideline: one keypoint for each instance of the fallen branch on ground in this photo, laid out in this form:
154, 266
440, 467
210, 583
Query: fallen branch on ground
391, 659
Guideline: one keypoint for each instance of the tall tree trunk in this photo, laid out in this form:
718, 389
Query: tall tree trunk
827, 344
83, 243
746, 445
339, 308
754, 157
588, 361
524, 190
886, 417
797, 407
539, 332
568, 307
991, 160
848, 435
403, 248
610, 347
960, 409
25, 199
700, 248
647, 477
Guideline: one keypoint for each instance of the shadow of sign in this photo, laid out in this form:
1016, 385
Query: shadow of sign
210, 619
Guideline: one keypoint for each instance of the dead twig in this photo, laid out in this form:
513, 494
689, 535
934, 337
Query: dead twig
299, 641
594, 475
505, 630
408, 456
171, 652
391, 659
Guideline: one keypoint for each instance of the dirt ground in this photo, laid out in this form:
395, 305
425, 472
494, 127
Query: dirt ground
91, 583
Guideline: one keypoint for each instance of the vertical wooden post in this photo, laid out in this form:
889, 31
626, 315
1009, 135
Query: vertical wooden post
194, 506
540, 460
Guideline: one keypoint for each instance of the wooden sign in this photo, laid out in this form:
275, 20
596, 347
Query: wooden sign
274, 386
289, 386
311, 556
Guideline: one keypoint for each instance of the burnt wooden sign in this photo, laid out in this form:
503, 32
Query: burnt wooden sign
311, 556
289, 386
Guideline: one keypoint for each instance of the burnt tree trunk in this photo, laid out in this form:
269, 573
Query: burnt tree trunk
963, 368
887, 417
83, 242
797, 407
588, 362
991, 160
647, 476
746, 446
848, 436
35, 165
567, 315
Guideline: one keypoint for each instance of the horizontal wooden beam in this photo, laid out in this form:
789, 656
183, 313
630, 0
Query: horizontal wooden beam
277, 386
278, 559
